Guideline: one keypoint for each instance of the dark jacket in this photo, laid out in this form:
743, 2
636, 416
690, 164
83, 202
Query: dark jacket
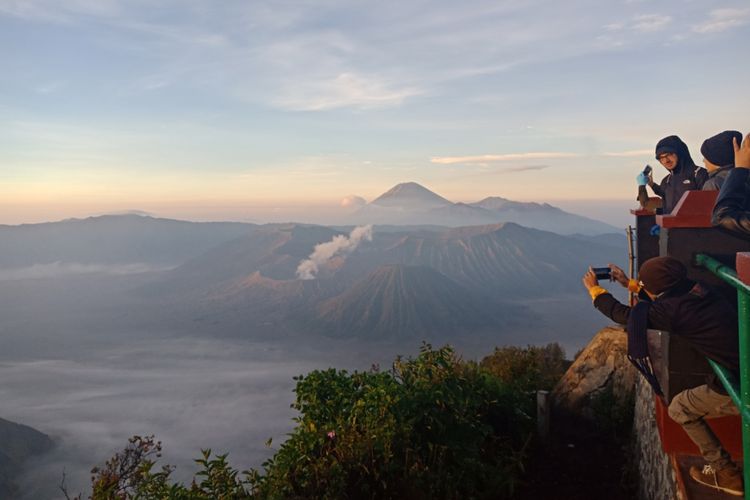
716, 178
732, 209
696, 314
686, 176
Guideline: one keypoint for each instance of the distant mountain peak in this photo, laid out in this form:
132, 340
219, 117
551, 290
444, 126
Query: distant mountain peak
410, 195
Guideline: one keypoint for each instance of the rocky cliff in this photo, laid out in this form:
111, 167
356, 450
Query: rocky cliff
602, 368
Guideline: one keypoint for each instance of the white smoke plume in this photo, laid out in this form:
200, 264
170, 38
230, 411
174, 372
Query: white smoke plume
339, 245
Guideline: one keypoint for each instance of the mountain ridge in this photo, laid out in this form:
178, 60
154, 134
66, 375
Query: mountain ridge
413, 204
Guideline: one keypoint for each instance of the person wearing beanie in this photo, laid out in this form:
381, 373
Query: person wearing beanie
684, 175
718, 157
705, 320
732, 209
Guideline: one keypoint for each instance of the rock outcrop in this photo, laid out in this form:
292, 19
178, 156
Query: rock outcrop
601, 368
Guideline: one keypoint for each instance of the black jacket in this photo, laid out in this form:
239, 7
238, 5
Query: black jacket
732, 209
686, 176
716, 178
693, 312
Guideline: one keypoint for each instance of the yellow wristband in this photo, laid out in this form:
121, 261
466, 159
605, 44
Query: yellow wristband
595, 291
634, 286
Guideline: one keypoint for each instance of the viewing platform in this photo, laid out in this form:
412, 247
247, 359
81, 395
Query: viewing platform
711, 256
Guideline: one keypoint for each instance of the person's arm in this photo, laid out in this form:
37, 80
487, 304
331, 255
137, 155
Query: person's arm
658, 317
730, 212
612, 308
658, 189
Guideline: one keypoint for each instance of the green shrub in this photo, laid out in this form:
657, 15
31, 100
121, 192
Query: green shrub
129, 474
531, 368
432, 427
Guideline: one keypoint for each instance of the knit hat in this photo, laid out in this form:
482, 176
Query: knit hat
659, 274
719, 149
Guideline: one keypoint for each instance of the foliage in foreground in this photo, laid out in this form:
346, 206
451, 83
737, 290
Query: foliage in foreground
529, 369
432, 427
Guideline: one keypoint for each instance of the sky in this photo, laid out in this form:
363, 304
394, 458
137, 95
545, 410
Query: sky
255, 110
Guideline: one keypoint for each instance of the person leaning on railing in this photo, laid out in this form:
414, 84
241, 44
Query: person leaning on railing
732, 209
705, 320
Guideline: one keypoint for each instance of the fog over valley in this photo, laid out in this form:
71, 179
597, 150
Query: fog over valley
120, 325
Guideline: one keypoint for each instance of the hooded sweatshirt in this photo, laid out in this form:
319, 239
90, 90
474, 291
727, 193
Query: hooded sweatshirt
686, 176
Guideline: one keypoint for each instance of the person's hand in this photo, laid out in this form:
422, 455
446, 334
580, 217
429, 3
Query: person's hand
619, 275
642, 179
589, 279
742, 153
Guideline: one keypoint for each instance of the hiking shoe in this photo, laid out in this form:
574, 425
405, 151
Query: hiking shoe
728, 479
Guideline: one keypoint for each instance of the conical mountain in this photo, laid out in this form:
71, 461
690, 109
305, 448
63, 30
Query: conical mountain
413, 204
411, 196
407, 301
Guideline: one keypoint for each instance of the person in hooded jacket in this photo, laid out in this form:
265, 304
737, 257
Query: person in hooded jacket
684, 175
718, 157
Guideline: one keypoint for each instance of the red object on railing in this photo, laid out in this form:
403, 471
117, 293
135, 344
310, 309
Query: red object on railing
743, 267
693, 210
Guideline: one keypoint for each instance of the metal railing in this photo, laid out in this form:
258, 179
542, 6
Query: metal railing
740, 394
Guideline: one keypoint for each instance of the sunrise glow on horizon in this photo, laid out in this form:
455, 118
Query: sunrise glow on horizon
256, 111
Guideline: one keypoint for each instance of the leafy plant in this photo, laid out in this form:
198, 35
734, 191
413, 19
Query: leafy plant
431, 427
531, 368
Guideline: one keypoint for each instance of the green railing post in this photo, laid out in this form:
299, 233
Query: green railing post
743, 308
743, 311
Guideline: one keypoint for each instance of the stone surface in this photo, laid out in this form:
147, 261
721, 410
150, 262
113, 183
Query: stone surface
602, 365
655, 471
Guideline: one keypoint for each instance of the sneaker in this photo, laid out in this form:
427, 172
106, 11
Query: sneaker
728, 479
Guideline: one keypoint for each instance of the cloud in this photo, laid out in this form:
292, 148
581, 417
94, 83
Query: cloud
339, 245
58, 12
482, 159
49, 87
630, 154
344, 90
723, 20
649, 23
353, 201
526, 168
58, 269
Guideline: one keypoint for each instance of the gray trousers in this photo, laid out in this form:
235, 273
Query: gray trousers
690, 408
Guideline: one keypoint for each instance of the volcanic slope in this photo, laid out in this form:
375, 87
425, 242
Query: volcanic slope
274, 251
542, 216
409, 301
501, 259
